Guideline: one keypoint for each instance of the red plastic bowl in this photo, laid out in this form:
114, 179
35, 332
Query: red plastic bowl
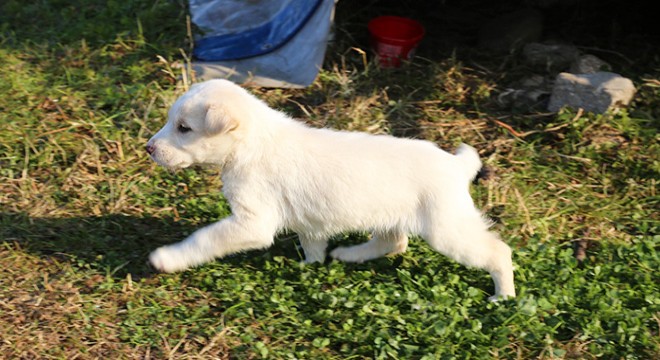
394, 38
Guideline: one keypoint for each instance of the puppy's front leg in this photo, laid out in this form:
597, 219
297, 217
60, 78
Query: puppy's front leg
228, 236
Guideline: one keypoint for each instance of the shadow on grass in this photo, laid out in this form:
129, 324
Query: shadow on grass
120, 244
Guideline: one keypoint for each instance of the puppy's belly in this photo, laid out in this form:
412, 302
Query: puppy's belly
332, 220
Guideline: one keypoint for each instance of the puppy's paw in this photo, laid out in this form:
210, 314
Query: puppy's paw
167, 260
310, 261
498, 298
347, 254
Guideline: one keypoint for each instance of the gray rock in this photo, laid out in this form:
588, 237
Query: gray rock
520, 101
528, 94
595, 92
550, 57
511, 31
533, 81
589, 64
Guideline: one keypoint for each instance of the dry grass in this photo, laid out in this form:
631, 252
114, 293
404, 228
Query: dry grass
81, 206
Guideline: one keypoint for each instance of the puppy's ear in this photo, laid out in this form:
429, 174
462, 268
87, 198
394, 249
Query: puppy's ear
219, 120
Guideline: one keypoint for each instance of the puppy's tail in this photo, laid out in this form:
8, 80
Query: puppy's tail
469, 158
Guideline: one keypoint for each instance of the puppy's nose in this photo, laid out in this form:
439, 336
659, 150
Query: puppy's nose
150, 149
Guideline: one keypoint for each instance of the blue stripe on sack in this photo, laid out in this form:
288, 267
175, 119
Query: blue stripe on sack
259, 40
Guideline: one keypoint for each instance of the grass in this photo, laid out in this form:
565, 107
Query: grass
86, 83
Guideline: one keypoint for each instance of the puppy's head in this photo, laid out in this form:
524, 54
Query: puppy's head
201, 127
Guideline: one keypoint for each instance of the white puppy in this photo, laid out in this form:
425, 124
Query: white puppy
281, 174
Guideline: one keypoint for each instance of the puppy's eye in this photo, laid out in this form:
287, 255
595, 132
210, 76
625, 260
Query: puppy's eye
183, 129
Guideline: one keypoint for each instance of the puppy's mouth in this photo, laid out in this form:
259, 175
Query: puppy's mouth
169, 166
177, 166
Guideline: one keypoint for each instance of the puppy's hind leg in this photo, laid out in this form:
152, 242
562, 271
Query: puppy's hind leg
470, 243
314, 247
382, 243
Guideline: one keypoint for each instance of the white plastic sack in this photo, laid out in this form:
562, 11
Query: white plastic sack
270, 43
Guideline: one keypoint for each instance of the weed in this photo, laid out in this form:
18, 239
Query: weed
86, 83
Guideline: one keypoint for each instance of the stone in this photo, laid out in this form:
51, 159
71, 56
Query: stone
595, 92
530, 93
550, 57
533, 81
511, 31
589, 64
